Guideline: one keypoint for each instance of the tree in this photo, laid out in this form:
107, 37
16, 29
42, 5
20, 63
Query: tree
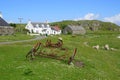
13, 25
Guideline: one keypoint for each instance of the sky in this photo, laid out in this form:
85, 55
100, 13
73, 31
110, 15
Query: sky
58, 10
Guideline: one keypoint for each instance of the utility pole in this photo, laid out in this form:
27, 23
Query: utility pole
20, 20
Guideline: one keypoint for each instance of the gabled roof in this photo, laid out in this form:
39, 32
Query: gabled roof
72, 29
56, 28
3, 22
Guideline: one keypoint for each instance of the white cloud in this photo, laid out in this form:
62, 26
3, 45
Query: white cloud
114, 19
89, 16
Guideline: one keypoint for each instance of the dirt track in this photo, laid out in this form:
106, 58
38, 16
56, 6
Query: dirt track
11, 42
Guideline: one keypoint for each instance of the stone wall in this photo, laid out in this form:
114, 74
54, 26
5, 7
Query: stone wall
6, 30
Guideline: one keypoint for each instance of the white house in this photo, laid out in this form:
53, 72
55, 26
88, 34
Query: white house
55, 30
42, 28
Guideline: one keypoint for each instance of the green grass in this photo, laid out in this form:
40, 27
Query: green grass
15, 37
99, 65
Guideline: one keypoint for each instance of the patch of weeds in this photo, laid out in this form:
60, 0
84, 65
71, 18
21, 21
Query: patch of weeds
28, 72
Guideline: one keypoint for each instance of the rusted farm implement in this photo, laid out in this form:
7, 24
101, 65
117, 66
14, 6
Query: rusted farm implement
51, 50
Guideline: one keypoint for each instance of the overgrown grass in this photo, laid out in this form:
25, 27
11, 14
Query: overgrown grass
99, 64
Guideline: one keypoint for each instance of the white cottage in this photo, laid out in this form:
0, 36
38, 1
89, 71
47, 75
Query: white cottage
42, 28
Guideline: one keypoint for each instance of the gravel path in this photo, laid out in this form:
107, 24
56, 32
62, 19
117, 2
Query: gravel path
11, 42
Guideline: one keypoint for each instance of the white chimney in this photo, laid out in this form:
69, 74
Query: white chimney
29, 21
1, 15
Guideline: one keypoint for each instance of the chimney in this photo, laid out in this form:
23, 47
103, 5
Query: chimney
1, 15
29, 21
46, 21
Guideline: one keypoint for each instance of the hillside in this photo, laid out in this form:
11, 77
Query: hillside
89, 25
93, 25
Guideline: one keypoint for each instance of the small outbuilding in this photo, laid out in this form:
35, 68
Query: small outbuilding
5, 28
70, 29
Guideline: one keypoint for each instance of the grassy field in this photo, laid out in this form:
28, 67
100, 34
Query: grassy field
15, 37
98, 64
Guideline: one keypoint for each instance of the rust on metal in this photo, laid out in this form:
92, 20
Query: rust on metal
72, 57
55, 45
51, 50
32, 52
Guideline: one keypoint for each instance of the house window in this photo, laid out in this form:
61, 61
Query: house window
47, 32
44, 30
54, 32
37, 31
32, 31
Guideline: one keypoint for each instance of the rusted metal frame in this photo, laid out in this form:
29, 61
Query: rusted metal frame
32, 52
54, 56
72, 57
55, 45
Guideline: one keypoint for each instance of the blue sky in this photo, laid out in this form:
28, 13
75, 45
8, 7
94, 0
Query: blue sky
58, 10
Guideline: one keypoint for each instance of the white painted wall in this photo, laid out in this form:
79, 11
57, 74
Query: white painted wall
41, 30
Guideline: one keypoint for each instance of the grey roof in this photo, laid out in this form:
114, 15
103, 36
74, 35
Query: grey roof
40, 24
3, 22
74, 30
